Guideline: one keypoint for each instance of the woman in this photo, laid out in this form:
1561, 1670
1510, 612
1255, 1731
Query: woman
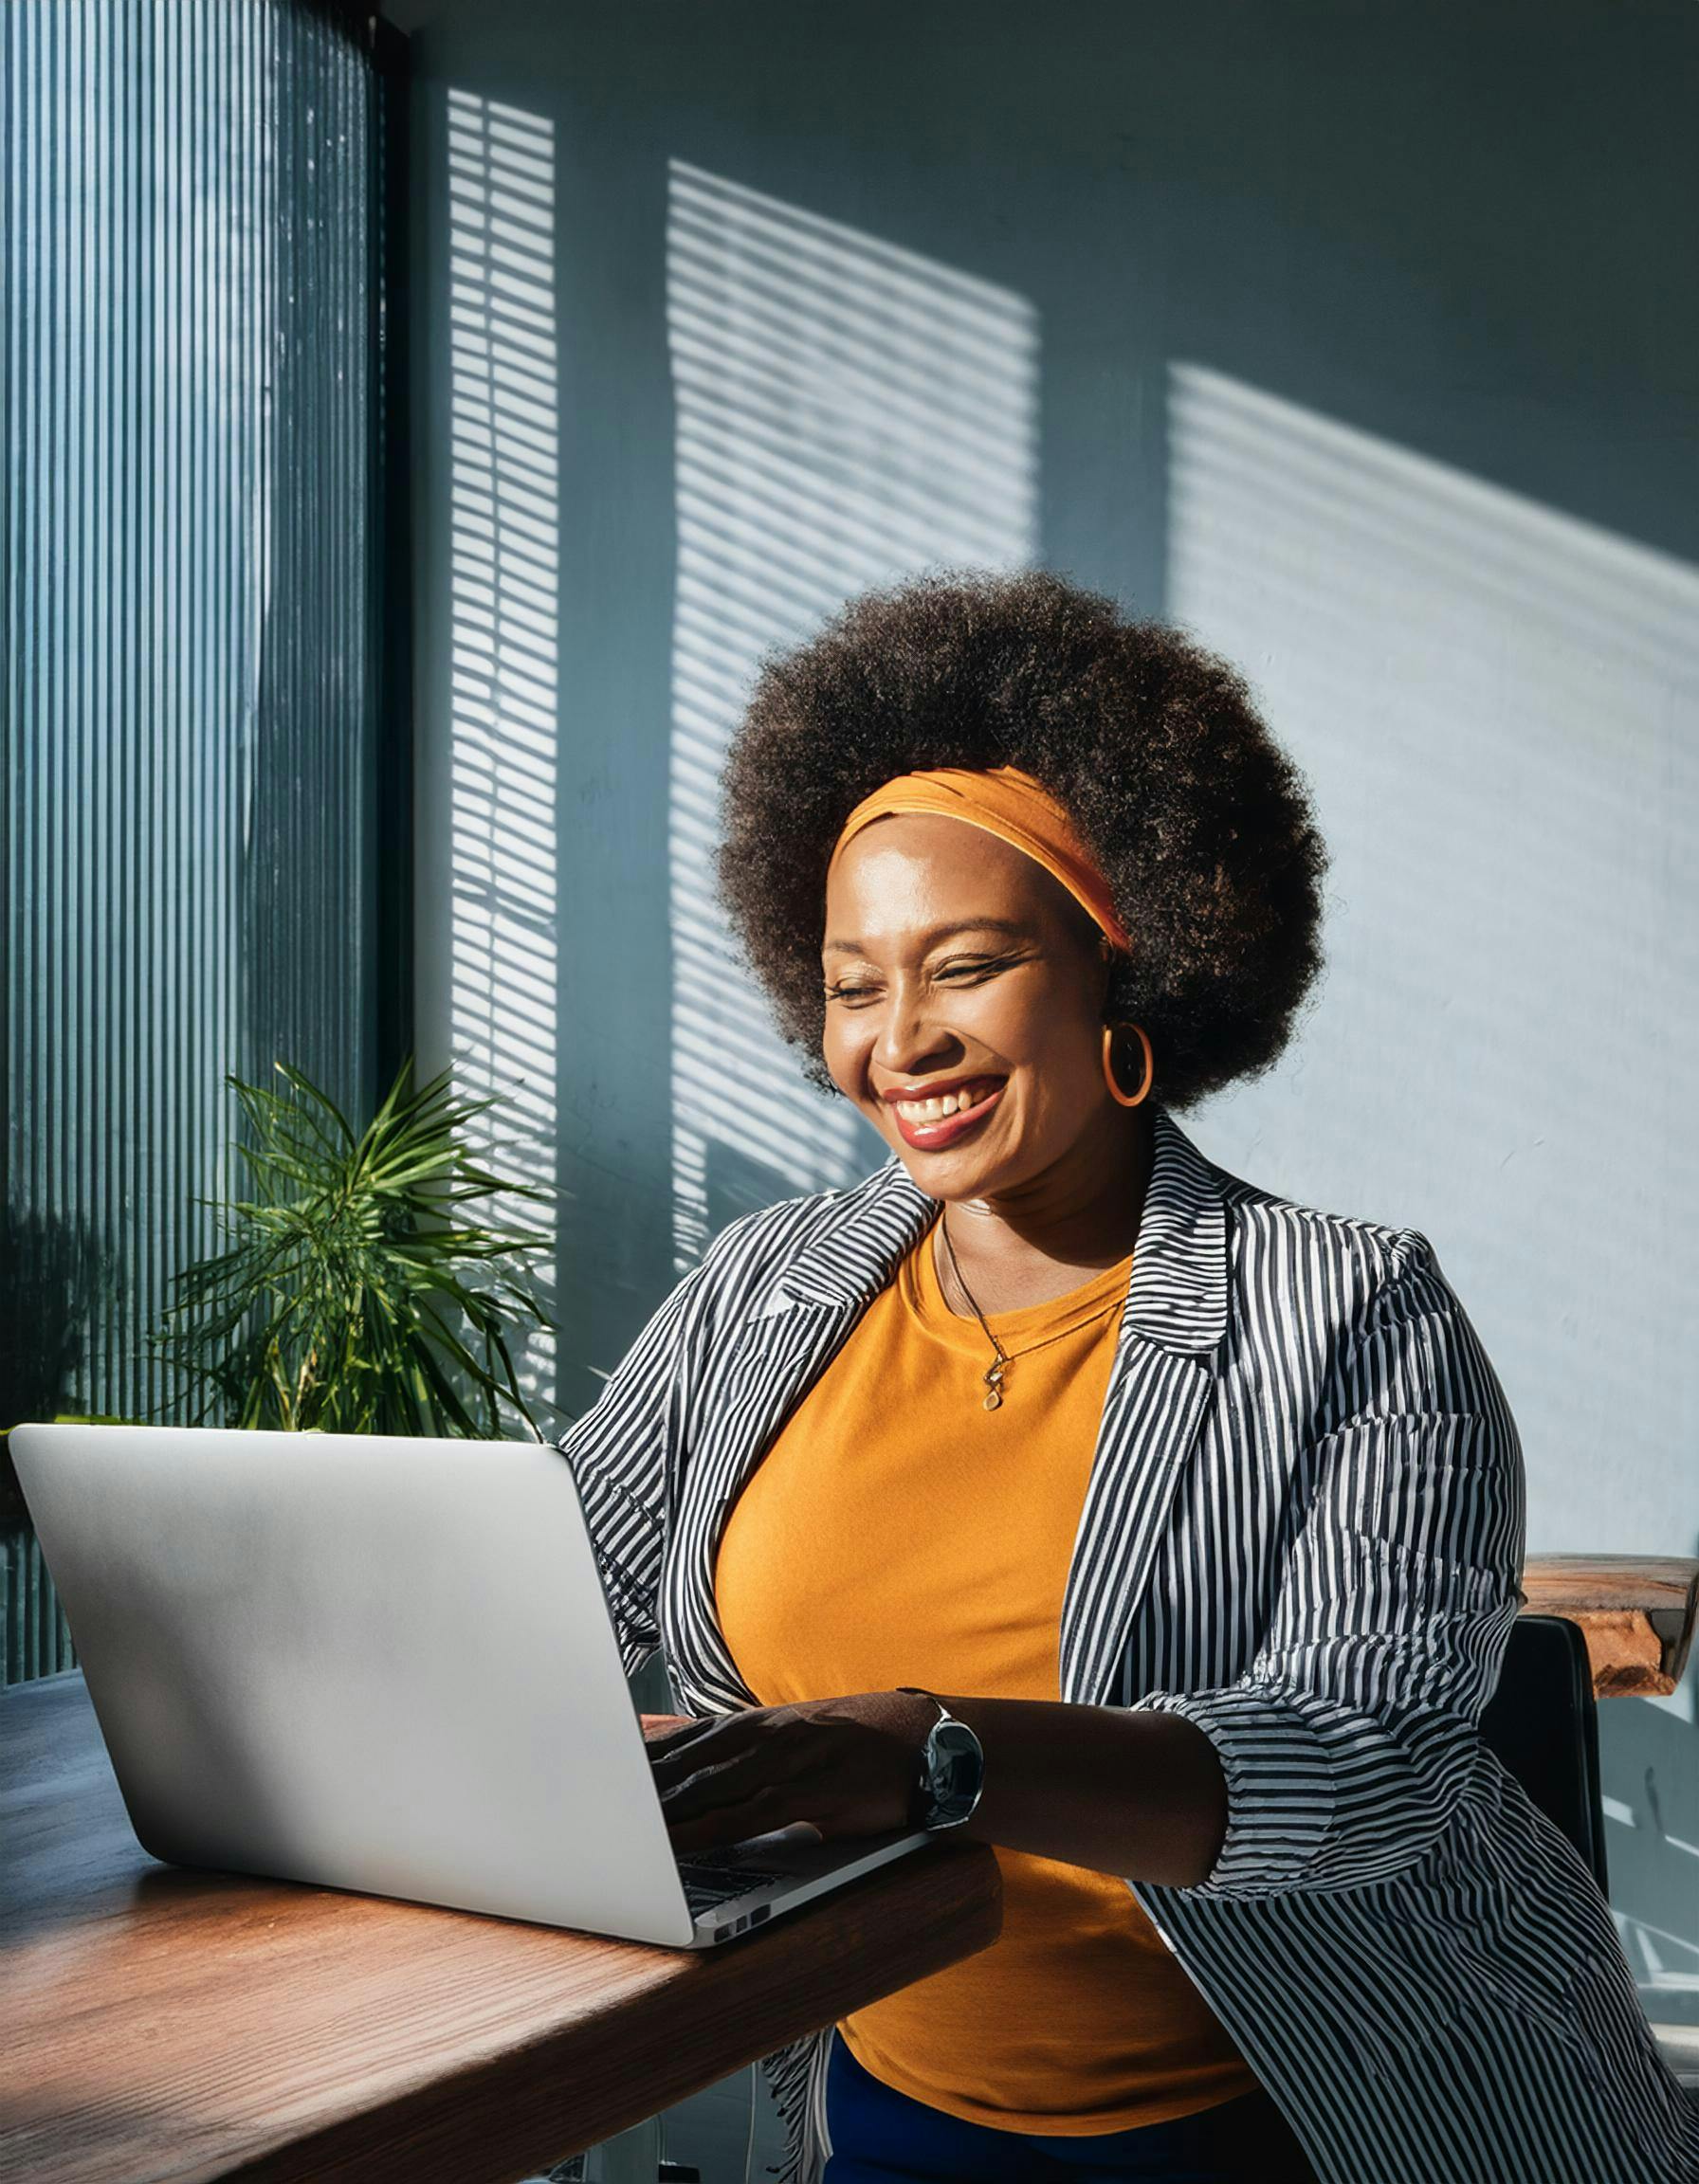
1201, 1510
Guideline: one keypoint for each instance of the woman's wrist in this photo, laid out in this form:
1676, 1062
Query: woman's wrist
1138, 1794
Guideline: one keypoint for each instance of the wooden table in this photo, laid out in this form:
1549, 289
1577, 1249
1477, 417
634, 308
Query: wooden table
1637, 1613
157, 2023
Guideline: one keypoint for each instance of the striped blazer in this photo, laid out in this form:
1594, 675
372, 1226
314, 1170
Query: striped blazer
1303, 1531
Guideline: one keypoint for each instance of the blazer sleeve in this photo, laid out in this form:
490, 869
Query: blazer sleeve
1350, 1738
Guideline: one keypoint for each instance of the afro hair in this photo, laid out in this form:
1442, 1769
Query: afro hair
1199, 822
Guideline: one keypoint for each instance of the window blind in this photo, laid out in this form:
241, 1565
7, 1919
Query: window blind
200, 824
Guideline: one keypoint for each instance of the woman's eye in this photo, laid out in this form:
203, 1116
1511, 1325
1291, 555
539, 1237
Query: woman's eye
974, 973
949, 970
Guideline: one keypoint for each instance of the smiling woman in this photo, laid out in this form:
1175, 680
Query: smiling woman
980, 1039
1018, 1489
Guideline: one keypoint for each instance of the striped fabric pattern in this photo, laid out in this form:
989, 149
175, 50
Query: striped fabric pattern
1303, 1531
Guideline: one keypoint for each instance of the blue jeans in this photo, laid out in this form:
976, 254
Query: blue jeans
880, 2136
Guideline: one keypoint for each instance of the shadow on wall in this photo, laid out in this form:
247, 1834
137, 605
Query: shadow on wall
847, 413
1648, 1756
504, 717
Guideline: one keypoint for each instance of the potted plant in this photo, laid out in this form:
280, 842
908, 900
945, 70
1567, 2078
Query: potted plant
354, 1293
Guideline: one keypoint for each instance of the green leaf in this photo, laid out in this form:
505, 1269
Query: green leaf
324, 1307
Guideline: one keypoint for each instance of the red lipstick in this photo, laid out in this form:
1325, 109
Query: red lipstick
935, 1137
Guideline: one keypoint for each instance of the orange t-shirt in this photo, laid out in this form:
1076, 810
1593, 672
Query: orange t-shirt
898, 1531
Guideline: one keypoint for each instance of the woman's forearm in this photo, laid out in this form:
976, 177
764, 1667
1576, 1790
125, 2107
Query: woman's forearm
1141, 1795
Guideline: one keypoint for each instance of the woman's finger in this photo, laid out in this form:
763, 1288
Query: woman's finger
755, 1814
719, 1783
668, 1744
703, 1743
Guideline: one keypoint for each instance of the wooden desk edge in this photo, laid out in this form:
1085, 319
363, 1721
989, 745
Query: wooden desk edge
632, 2063
1636, 1612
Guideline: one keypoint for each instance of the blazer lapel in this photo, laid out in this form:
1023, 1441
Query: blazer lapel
1158, 1389
1155, 1405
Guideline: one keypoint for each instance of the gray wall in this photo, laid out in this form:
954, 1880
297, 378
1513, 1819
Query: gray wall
1361, 341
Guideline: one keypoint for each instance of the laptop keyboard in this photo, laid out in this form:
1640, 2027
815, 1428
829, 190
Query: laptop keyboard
707, 1885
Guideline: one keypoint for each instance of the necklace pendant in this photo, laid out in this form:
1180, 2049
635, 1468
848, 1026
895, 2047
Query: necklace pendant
993, 1381
994, 1401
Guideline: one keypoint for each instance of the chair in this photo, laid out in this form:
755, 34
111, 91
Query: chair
1542, 1722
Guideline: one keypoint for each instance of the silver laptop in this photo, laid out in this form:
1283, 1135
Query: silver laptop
384, 1664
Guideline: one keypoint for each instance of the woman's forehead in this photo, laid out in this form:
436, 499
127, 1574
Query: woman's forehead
909, 878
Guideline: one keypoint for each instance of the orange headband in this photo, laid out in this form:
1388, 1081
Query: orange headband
1011, 805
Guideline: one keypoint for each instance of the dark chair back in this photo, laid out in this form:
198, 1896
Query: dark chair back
1543, 1722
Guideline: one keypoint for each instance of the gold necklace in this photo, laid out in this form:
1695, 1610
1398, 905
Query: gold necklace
995, 1373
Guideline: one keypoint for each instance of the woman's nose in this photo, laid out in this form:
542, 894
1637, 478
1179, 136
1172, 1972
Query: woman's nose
910, 1037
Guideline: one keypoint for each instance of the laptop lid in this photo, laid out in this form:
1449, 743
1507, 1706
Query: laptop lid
369, 1662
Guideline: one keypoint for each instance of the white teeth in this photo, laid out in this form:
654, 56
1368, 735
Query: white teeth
936, 1110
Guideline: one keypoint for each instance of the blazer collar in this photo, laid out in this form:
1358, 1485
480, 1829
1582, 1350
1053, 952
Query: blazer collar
1179, 1294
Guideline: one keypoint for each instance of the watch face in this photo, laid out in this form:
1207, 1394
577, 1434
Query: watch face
957, 1764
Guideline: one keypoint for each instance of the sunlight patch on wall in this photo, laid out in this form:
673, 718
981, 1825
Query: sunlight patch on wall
1496, 706
847, 413
503, 590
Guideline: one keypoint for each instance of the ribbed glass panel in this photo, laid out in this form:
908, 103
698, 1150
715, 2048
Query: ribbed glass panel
187, 540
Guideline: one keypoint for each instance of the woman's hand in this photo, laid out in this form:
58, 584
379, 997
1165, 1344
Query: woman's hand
845, 1766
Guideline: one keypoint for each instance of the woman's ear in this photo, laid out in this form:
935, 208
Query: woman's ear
1105, 955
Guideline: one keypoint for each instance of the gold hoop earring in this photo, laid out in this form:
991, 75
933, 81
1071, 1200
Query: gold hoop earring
1150, 1066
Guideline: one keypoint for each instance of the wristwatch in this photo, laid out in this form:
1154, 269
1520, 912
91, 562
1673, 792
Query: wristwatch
952, 1771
